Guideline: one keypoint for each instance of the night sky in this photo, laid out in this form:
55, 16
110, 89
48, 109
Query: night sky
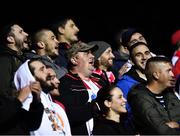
99, 22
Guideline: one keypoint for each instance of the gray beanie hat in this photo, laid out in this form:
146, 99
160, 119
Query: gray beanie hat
102, 46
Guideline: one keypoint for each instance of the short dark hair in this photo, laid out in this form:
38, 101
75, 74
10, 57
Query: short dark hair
5, 31
59, 23
134, 46
37, 36
150, 64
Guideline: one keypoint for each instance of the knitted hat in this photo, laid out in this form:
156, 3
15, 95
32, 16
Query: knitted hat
102, 46
126, 35
175, 37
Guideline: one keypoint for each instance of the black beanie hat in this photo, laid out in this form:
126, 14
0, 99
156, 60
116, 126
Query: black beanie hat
102, 46
126, 36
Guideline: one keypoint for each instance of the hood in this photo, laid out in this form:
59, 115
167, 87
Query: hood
23, 76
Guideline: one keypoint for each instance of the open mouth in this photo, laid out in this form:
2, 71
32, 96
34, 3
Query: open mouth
56, 48
91, 62
124, 105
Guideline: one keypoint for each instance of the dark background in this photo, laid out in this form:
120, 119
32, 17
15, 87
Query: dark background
100, 20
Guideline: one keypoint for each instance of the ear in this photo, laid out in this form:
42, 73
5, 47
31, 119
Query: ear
107, 103
74, 61
10, 39
61, 30
41, 45
156, 75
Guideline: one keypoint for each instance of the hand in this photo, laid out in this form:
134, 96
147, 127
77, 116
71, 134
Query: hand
35, 88
123, 69
173, 124
23, 93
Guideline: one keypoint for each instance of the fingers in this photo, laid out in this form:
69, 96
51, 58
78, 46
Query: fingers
172, 124
35, 87
123, 69
23, 93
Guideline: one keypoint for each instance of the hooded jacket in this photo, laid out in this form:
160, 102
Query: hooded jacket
54, 121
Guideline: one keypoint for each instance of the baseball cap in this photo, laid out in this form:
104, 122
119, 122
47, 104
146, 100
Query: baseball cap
80, 47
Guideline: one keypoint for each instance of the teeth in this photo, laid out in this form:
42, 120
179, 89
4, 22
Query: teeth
124, 105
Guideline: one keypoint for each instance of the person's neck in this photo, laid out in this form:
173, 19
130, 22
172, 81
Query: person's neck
113, 116
103, 68
62, 39
155, 87
14, 48
141, 75
80, 74
83, 77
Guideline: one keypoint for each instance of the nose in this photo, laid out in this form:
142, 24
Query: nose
26, 34
76, 28
57, 81
57, 42
172, 74
91, 55
124, 99
112, 55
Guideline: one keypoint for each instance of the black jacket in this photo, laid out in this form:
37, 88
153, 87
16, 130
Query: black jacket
149, 115
14, 120
74, 96
109, 127
10, 61
62, 59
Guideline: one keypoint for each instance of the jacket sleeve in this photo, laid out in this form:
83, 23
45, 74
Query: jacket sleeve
33, 117
6, 73
8, 110
148, 113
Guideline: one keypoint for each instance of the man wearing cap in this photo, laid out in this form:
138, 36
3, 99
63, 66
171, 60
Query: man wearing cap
175, 40
103, 61
78, 88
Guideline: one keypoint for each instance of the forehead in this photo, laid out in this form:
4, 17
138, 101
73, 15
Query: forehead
15, 27
70, 22
49, 33
80, 53
165, 65
108, 49
37, 64
140, 48
51, 71
116, 91
136, 35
